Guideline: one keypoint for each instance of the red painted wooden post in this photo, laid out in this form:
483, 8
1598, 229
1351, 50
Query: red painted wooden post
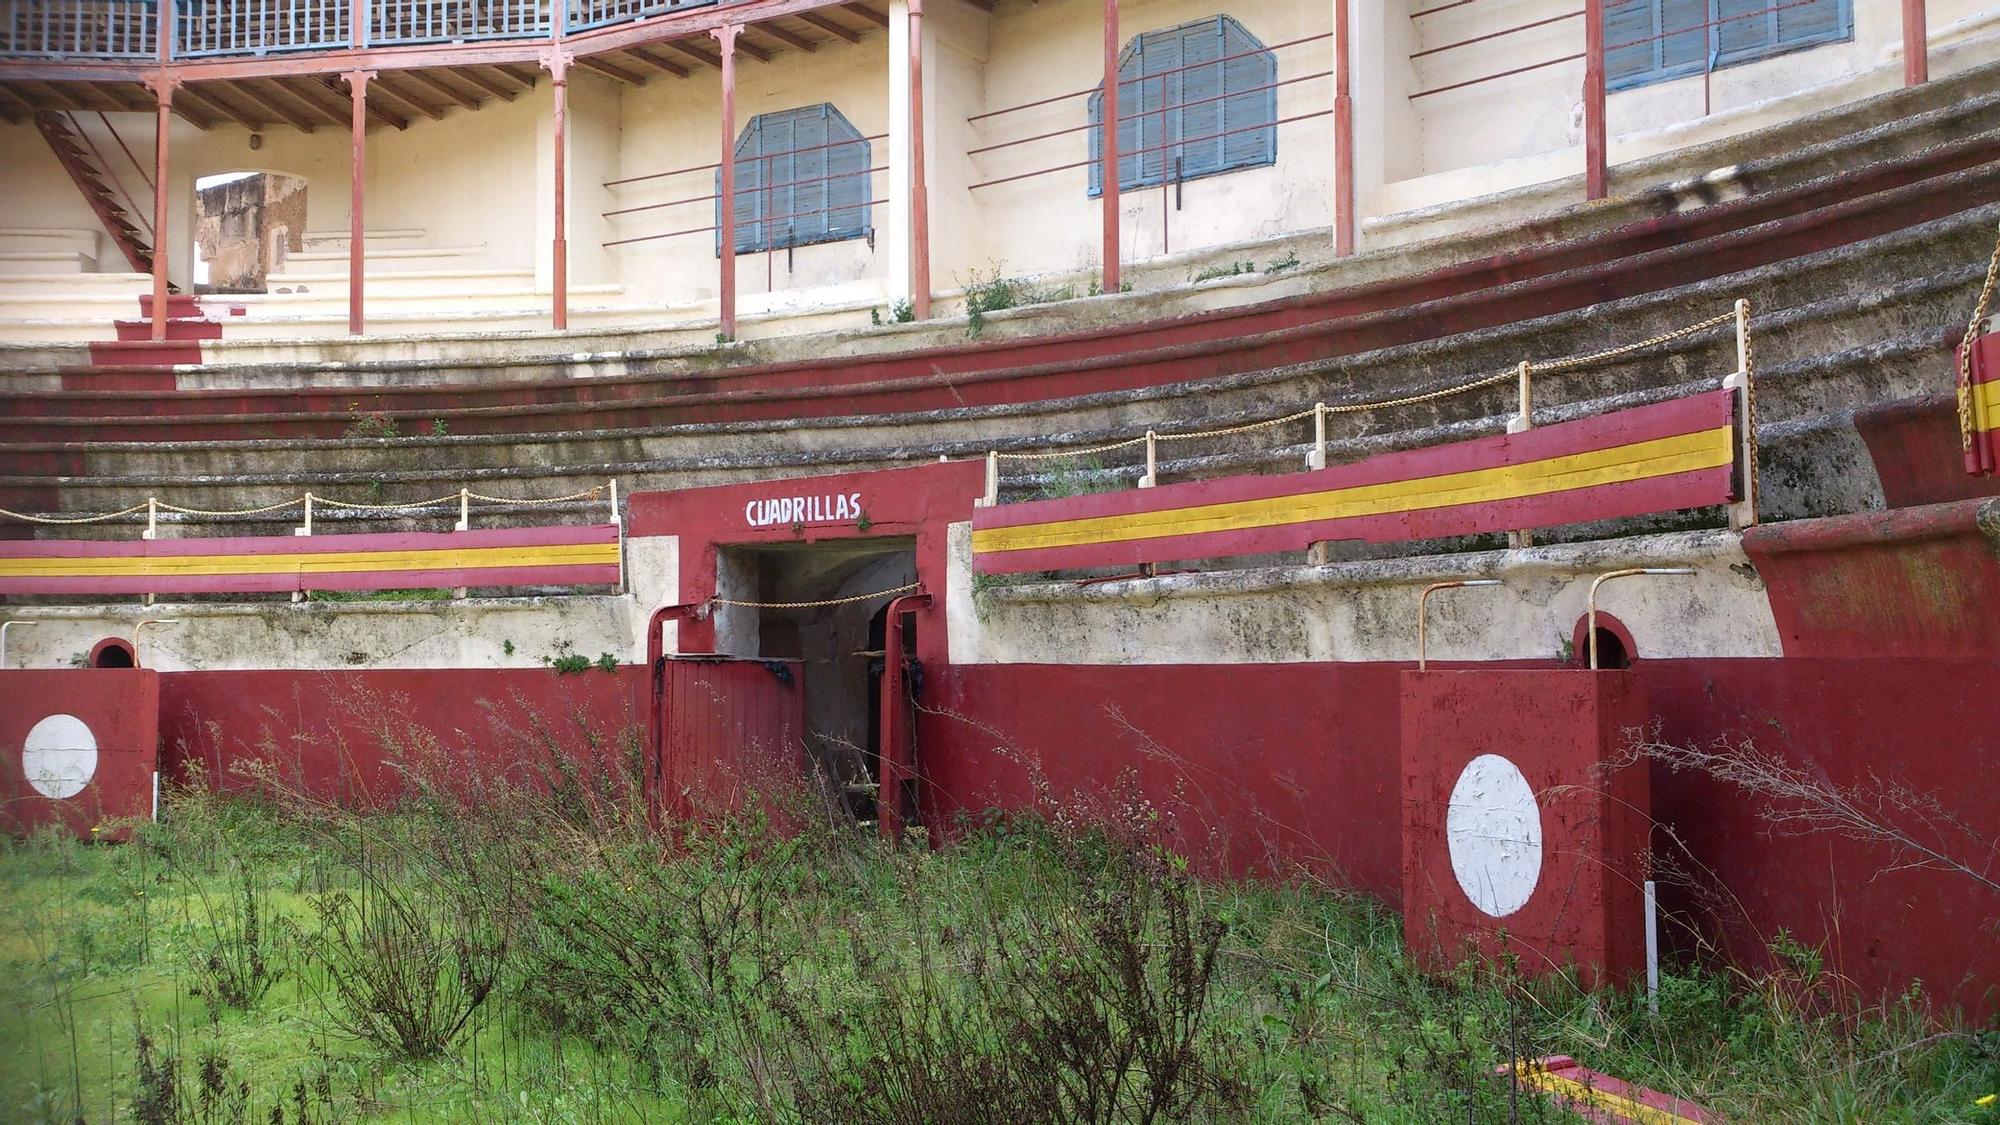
1594, 172
920, 204
163, 89
1110, 125
357, 158
1916, 44
725, 36
896, 761
558, 64
1343, 135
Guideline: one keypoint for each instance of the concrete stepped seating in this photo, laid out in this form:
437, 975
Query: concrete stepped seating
1172, 352
1836, 331
1843, 139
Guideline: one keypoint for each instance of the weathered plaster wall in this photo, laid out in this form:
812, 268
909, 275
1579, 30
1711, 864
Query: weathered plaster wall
1366, 611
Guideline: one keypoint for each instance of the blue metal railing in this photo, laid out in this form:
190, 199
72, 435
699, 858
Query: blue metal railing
438, 21
98, 29
585, 14
129, 29
256, 27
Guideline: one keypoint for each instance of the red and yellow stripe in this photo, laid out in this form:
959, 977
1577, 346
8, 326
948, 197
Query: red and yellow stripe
1655, 458
504, 557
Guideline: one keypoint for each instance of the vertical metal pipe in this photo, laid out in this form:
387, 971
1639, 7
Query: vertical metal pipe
559, 252
1343, 135
163, 89
1595, 175
920, 204
725, 37
1916, 44
357, 83
1652, 949
1109, 117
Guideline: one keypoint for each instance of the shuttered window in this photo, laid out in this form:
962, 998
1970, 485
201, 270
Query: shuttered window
1653, 40
1193, 100
801, 177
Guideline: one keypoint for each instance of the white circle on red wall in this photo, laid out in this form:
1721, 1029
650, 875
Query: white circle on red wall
59, 756
1494, 829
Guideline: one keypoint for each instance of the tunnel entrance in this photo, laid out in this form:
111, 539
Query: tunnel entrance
841, 645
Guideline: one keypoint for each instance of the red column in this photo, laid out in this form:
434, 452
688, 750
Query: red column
726, 37
1916, 44
1110, 120
559, 253
357, 84
920, 203
1594, 174
163, 90
1343, 136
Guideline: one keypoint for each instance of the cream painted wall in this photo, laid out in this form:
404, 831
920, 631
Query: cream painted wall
673, 123
1057, 47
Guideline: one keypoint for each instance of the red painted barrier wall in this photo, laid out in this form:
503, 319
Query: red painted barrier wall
77, 747
1275, 766
347, 735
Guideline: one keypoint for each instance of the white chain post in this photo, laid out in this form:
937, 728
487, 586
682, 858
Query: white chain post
307, 529
1152, 476
464, 510
1743, 513
1316, 457
992, 496
1521, 423
152, 519
618, 521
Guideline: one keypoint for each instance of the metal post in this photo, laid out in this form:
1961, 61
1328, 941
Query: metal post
1522, 421
1652, 949
558, 65
152, 519
163, 89
1152, 476
920, 205
1916, 44
1317, 458
1590, 620
992, 496
308, 528
464, 510
1423, 624
1343, 135
618, 521
1109, 121
1743, 513
725, 37
1595, 174
357, 163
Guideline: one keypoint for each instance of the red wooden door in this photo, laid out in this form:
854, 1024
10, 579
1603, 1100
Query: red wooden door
728, 728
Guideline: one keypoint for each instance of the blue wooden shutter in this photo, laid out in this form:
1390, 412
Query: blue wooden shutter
1744, 28
1814, 22
848, 189
1252, 99
806, 199
1196, 126
749, 196
1630, 51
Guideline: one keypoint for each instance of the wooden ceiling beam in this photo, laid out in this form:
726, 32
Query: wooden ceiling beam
209, 96
16, 107
696, 54
658, 63
258, 93
397, 93
493, 86
326, 87
869, 14
431, 80
53, 95
839, 30
790, 37
525, 75
761, 54
612, 70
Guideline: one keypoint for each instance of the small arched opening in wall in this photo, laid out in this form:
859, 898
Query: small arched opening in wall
1615, 647
113, 652
246, 224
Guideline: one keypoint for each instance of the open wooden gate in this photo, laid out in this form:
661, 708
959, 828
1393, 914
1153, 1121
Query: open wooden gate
727, 728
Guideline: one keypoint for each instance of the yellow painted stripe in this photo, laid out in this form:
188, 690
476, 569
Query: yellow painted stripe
1635, 1111
1986, 417
1703, 449
324, 562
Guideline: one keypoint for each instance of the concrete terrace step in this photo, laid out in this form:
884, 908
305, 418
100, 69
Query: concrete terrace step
633, 401
399, 283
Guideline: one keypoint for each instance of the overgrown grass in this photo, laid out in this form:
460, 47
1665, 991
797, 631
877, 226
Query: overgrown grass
543, 951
